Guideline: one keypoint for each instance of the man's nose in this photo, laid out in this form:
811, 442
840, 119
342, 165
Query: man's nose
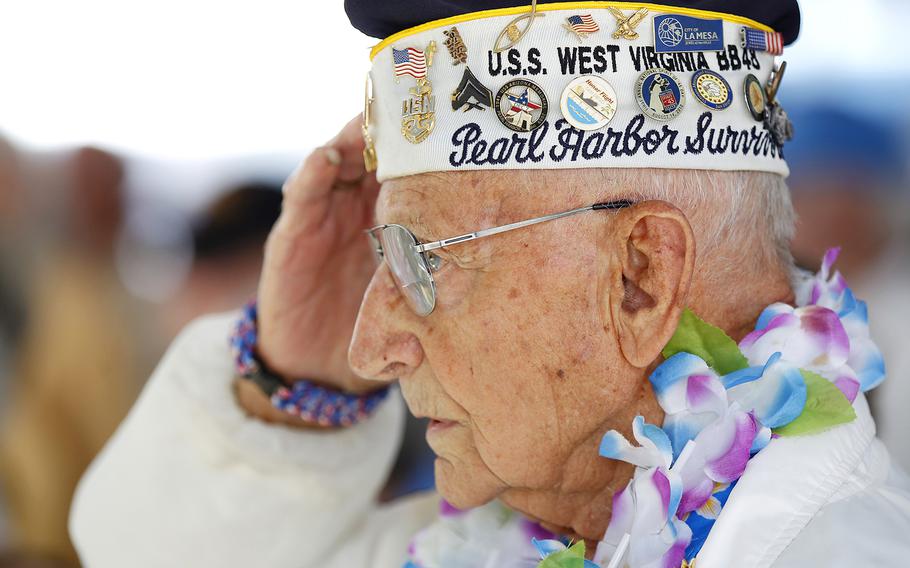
383, 347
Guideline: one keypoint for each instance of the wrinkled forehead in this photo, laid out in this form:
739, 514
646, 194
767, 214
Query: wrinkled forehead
433, 203
452, 202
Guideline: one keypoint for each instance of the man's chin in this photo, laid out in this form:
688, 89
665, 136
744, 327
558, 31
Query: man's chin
465, 487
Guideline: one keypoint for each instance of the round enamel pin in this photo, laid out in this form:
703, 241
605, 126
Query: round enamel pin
660, 94
521, 105
588, 102
711, 89
756, 99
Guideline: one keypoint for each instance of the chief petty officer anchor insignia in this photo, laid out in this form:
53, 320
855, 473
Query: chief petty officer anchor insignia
418, 111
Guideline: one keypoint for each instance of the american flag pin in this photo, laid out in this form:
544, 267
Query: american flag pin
581, 25
409, 61
760, 40
418, 111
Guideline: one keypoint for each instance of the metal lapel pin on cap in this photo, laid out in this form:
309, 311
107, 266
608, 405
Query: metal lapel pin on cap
369, 149
418, 111
625, 25
582, 25
512, 34
776, 120
470, 94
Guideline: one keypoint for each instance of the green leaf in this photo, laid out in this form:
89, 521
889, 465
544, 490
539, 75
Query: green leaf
573, 557
826, 407
694, 335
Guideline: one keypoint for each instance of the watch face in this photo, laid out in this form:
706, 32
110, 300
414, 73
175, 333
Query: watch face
521, 105
267, 382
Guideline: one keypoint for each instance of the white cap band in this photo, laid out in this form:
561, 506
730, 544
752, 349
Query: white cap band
713, 130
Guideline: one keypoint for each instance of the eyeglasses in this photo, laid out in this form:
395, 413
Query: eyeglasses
412, 264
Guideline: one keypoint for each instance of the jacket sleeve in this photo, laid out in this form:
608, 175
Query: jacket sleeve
189, 480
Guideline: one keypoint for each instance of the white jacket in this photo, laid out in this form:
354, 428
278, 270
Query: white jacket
189, 480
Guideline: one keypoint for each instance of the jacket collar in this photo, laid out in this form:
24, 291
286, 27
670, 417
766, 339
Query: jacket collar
783, 487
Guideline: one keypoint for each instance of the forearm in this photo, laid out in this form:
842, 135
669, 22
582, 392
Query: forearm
191, 479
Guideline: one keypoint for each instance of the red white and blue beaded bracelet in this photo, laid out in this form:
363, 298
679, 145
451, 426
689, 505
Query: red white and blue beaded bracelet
305, 399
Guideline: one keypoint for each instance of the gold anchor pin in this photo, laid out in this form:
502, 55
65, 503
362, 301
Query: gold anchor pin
625, 25
418, 111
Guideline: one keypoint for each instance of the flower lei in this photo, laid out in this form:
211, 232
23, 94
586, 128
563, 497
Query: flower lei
796, 374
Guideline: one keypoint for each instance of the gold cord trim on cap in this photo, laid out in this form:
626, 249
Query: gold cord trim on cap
707, 14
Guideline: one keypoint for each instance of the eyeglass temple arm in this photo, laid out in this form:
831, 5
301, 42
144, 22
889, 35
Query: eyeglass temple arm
519, 224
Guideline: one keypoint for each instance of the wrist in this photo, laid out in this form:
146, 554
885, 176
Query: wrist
302, 399
334, 373
256, 404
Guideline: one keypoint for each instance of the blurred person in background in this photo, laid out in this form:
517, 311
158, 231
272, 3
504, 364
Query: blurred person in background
76, 370
11, 310
12, 200
33, 560
228, 238
11, 204
850, 188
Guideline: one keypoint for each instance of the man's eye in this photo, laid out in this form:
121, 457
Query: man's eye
434, 261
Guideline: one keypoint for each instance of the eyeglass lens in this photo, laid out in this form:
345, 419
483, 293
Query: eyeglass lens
409, 269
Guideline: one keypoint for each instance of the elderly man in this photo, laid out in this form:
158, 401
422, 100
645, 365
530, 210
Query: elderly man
555, 279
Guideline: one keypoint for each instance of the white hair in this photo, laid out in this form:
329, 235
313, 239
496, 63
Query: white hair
741, 219
739, 211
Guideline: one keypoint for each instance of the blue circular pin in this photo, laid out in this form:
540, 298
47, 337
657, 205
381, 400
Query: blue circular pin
660, 94
711, 89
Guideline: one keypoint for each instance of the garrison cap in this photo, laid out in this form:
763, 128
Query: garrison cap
382, 19
530, 84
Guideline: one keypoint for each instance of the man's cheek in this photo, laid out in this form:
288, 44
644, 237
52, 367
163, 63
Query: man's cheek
464, 479
517, 450
455, 289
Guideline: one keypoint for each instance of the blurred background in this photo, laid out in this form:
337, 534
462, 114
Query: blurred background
142, 150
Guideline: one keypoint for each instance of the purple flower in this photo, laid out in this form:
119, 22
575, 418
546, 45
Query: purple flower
691, 395
654, 449
865, 359
717, 455
446, 509
774, 392
830, 290
811, 338
646, 511
824, 289
694, 396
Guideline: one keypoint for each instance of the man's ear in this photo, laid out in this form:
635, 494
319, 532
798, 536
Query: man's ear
646, 283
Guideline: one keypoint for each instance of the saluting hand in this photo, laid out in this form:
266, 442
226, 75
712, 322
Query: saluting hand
318, 264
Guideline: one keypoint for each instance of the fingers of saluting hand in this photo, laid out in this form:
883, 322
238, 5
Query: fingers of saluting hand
337, 166
349, 144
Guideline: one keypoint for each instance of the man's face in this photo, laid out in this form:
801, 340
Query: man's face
516, 366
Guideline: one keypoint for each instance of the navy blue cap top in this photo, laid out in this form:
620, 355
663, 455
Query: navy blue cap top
382, 18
